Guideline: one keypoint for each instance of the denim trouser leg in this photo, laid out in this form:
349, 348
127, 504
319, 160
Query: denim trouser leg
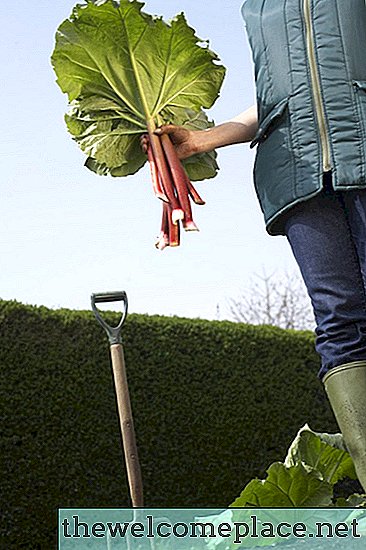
327, 235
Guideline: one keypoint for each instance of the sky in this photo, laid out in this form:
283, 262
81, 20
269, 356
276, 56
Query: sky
66, 232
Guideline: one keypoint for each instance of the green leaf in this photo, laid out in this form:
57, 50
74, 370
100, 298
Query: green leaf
104, 137
286, 487
123, 70
201, 166
324, 452
353, 501
261, 525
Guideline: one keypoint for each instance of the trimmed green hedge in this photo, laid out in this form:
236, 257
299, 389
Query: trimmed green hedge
214, 404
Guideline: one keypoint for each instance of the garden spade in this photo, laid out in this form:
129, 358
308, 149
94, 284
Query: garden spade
122, 393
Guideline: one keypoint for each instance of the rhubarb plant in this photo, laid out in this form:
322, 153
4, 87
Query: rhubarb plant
125, 73
314, 463
305, 481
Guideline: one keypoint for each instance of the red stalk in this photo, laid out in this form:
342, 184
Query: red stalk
174, 229
157, 188
193, 193
163, 239
180, 181
166, 178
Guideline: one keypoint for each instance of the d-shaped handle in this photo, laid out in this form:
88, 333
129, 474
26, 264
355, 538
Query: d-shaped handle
114, 333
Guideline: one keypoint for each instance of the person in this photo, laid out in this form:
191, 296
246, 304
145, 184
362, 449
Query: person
309, 125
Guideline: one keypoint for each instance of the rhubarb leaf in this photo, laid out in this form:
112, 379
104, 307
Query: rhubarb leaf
125, 70
353, 501
297, 486
201, 166
324, 452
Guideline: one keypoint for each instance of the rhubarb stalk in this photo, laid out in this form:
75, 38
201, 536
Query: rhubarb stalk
174, 229
193, 193
163, 239
157, 188
179, 177
166, 180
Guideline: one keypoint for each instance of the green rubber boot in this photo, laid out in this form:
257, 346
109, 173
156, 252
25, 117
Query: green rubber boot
346, 389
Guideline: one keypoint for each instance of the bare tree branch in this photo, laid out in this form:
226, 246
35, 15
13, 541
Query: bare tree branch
279, 300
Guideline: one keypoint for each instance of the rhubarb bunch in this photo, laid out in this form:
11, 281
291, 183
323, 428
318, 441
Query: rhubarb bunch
172, 185
125, 73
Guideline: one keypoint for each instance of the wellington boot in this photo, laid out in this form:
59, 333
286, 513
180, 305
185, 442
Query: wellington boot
346, 389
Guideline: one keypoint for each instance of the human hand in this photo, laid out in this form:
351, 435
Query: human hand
183, 139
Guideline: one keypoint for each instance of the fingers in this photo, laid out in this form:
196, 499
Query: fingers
179, 136
166, 129
144, 142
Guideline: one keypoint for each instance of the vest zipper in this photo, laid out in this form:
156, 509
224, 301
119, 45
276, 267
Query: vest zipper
316, 88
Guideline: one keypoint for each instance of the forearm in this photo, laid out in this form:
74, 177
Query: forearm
240, 129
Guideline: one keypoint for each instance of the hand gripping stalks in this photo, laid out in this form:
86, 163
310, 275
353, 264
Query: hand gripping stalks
122, 393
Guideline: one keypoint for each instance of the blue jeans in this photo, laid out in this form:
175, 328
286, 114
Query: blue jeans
327, 234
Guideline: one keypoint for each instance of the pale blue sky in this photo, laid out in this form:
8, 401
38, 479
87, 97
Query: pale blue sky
65, 232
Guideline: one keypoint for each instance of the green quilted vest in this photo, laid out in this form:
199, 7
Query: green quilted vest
310, 73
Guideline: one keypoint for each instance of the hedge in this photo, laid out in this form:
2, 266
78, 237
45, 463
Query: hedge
214, 404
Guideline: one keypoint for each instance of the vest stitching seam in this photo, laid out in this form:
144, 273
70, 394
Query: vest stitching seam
290, 125
313, 117
354, 99
266, 52
362, 132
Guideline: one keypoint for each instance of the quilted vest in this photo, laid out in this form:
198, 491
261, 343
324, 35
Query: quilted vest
310, 73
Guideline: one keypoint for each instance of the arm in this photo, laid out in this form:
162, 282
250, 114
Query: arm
240, 129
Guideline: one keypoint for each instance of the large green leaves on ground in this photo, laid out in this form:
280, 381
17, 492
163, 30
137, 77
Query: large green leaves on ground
324, 452
124, 69
314, 463
304, 482
297, 486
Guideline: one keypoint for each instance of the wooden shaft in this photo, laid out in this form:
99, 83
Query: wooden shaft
126, 425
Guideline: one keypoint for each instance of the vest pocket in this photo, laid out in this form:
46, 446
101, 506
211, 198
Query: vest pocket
268, 123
